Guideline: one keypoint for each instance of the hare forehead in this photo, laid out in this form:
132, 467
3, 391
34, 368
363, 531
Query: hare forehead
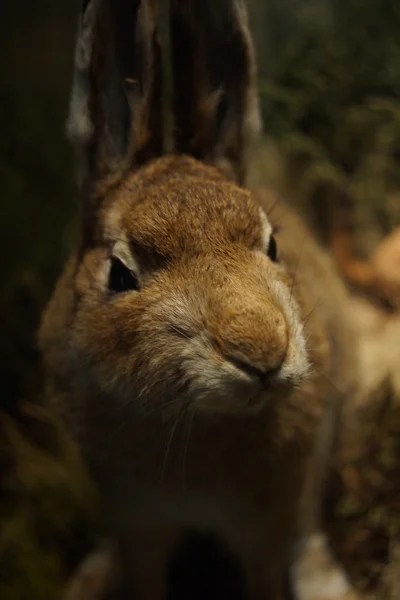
186, 211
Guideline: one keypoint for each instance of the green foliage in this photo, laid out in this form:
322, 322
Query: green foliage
331, 95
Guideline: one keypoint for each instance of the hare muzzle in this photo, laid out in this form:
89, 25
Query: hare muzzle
239, 348
255, 342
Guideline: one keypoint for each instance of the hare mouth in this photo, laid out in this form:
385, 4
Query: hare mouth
230, 397
227, 384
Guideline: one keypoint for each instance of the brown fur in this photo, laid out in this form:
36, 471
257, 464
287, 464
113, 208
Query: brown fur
214, 76
199, 399
116, 361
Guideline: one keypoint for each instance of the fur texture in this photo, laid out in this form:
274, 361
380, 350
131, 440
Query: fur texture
198, 397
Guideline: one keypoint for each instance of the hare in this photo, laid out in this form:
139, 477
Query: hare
197, 343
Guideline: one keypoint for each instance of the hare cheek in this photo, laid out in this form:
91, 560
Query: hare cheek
266, 230
296, 365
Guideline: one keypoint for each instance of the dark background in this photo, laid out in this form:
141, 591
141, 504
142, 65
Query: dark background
36, 180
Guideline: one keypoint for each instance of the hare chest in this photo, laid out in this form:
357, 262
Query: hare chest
211, 508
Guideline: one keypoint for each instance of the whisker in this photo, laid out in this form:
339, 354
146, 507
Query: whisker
169, 443
333, 385
190, 414
158, 408
271, 209
311, 311
297, 265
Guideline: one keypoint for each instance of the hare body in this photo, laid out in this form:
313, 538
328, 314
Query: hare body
197, 342
141, 419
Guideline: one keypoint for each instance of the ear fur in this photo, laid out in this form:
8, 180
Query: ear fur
215, 101
115, 110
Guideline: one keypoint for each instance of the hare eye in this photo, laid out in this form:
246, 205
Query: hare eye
272, 251
121, 279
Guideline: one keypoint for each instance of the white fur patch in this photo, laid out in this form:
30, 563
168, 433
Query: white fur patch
296, 364
79, 124
316, 575
266, 229
216, 386
122, 251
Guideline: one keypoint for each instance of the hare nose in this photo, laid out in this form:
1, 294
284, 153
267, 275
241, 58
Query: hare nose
251, 370
255, 341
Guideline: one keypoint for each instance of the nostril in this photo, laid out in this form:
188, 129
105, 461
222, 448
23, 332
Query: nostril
247, 367
264, 374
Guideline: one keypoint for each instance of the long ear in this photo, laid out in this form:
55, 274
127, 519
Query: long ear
215, 101
115, 112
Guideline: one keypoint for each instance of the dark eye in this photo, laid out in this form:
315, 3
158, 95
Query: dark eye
121, 279
272, 251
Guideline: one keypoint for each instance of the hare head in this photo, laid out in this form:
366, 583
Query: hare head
176, 292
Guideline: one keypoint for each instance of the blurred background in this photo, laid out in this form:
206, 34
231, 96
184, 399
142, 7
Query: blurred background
38, 207
329, 79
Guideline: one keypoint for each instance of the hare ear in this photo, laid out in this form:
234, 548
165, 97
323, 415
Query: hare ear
115, 109
215, 100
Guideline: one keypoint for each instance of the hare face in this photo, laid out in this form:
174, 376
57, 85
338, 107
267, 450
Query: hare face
184, 297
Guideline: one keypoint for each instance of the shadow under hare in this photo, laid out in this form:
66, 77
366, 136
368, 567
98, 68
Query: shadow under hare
196, 344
